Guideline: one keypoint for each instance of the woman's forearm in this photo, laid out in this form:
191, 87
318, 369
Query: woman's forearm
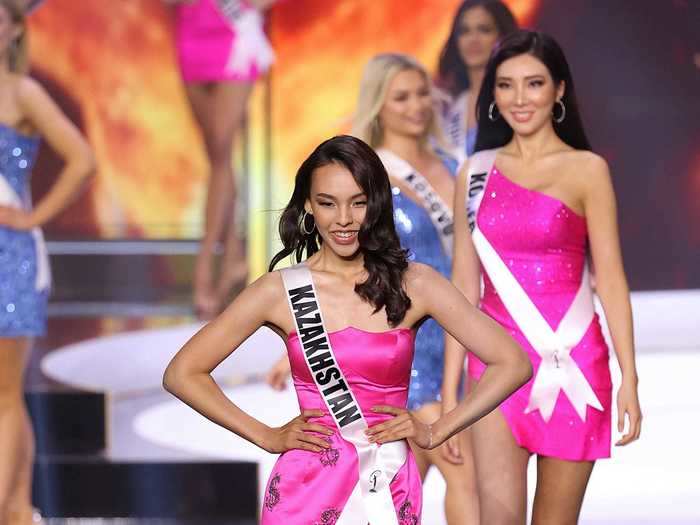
615, 298
452, 372
66, 189
496, 384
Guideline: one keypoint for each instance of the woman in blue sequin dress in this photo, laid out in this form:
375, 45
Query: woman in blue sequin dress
396, 116
26, 115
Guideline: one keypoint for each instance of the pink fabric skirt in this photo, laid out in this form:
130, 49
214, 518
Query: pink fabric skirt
312, 488
204, 43
565, 435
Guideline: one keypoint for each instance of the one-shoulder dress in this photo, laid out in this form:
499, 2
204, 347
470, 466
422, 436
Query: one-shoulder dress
544, 245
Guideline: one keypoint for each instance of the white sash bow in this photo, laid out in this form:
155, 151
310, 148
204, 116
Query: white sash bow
250, 45
8, 197
370, 501
557, 371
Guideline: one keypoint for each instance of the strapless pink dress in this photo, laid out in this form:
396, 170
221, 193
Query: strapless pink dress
544, 244
312, 488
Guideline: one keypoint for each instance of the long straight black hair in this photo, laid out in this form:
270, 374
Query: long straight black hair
494, 134
452, 71
384, 259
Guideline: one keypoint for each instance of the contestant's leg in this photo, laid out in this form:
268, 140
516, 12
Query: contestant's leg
501, 471
16, 437
232, 101
218, 109
461, 498
561, 486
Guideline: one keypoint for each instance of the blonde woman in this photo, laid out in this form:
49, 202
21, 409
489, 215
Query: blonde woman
27, 114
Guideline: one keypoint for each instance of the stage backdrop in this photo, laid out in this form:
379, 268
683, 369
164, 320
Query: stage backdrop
112, 67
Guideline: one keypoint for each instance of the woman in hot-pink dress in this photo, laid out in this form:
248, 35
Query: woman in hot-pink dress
222, 50
345, 459
539, 203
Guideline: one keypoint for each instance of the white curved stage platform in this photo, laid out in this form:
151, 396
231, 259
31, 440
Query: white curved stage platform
654, 481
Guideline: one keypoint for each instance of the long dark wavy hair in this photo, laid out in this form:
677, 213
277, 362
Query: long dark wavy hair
384, 259
452, 71
494, 134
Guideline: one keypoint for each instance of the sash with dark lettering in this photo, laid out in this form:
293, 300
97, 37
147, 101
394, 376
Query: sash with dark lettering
370, 501
9, 197
439, 212
557, 370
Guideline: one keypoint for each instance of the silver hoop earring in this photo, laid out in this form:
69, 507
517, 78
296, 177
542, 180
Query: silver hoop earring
492, 107
561, 117
302, 223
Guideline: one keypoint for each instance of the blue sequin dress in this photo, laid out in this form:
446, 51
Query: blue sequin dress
22, 305
418, 235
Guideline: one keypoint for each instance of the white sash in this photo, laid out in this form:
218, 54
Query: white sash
8, 197
557, 371
370, 500
440, 214
250, 45
455, 121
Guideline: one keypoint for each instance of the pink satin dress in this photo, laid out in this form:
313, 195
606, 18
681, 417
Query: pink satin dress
204, 41
312, 488
544, 244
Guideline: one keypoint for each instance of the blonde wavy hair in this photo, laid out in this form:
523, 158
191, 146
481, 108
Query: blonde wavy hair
19, 49
377, 75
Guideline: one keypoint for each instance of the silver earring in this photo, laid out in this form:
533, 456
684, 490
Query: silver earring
561, 117
492, 107
302, 223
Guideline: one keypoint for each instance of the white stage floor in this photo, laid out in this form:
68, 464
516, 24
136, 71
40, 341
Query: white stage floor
654, 481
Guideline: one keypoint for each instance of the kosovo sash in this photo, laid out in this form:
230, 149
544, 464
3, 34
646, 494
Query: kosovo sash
440, 214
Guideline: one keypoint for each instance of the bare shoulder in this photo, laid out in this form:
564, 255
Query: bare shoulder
420, 279
28, 90
268, 288
588, 164
587, 170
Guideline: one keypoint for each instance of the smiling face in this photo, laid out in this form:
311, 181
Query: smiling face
525, 94
339, 206
477, 35
408, 106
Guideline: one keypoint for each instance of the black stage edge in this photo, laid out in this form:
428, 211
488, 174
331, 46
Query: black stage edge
68, 422
82, 487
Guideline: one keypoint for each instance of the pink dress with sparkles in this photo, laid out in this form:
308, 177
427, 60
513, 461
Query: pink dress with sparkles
312, 488
543, 243
205, 40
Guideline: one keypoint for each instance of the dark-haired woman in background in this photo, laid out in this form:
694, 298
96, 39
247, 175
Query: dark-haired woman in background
539, 202
476, 28
351, 365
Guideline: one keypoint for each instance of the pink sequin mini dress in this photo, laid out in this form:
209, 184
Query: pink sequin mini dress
544, 245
